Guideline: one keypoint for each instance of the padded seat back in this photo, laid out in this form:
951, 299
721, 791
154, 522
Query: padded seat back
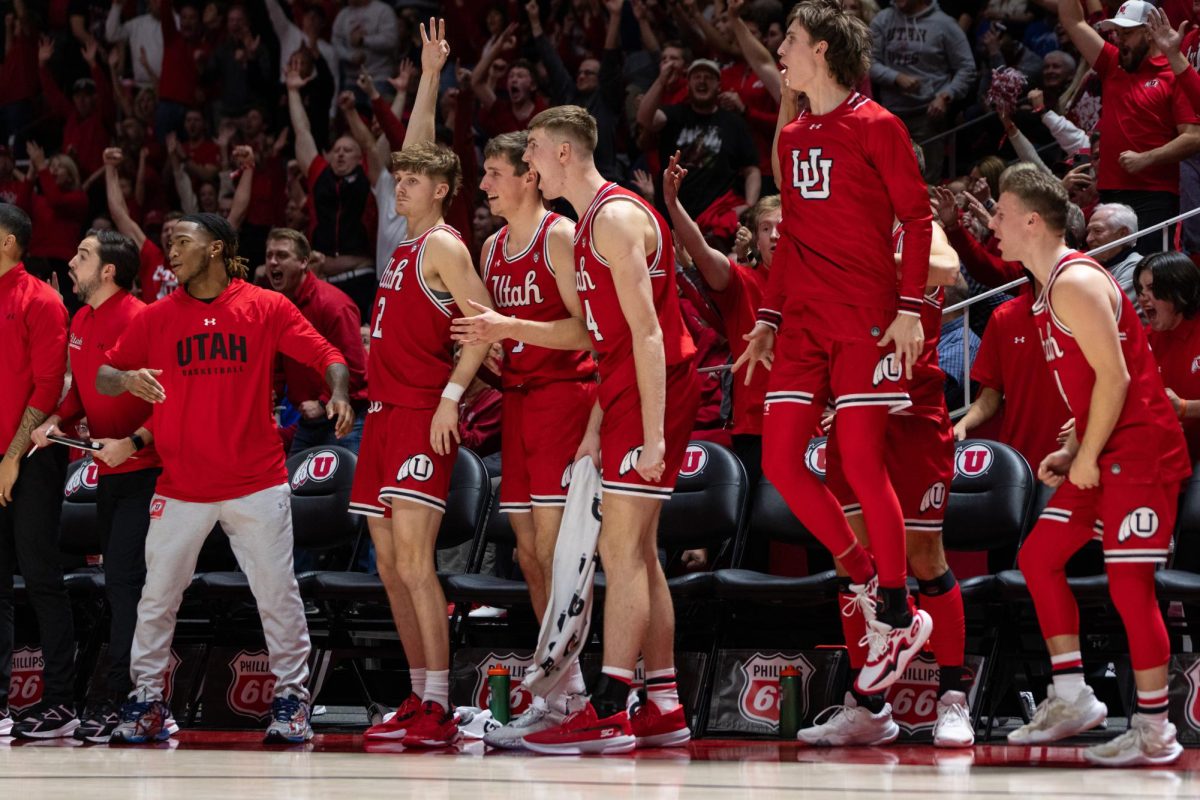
468, 503
1187, 525
320, 479
990, 498
769, 516
708, 506
79, 529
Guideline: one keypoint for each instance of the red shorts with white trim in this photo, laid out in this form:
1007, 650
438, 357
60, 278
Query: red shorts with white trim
1133, 520
621, 435
396, 462
919, 457
812, 369
541, 428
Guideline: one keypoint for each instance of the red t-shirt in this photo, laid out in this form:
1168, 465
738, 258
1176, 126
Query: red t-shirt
1010, 360
204, 152
155, 281
93, 332
500, 118
33, 357
1141, 111
1177, 353
738, 303
336, 317
762, 112
215, 431
58, 219
17, 192
179, 78
19, 70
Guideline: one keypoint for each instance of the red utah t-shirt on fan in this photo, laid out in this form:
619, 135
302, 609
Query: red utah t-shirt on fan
214, 431
738, 303
523, 286
155, 278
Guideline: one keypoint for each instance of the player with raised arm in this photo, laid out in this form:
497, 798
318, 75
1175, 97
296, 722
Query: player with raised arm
528, 267
849, 332
1118, 475
631, 314
204, 357
410, 440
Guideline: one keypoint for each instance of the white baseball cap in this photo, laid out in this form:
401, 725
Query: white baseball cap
1131, 14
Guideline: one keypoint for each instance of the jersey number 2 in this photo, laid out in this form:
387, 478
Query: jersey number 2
377, 330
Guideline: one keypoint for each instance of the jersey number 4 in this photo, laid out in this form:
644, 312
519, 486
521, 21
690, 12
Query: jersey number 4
592, 327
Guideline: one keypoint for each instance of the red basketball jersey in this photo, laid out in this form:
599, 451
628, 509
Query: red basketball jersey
523, 286
1147, 442
926, 387
602, 309
411, 353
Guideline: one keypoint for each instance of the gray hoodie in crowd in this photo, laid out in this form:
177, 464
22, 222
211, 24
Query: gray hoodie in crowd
928, 45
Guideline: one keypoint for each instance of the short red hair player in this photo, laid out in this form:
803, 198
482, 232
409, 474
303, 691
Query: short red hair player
847, 333
1118, 475
626, 283
528, 267
410, 440
919, 453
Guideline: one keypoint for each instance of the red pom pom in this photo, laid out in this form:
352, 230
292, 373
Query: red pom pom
1006, 90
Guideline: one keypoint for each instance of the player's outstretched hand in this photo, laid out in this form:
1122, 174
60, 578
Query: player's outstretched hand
486, 327
761, 350
651, 464
1054, 468
115, 452
445, 426
905, 332
339, 409
142, 383
435, 50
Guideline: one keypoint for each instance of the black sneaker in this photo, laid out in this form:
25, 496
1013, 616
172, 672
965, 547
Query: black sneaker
98, 723
47, 722
6, 722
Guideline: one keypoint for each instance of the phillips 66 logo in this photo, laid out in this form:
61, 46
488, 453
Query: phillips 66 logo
25, 687
519, 698
252, 689
759, 699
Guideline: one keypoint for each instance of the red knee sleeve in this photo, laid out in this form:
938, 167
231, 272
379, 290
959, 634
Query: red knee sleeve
949, 637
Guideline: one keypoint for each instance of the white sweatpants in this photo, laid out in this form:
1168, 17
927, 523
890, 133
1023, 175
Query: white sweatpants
259, 527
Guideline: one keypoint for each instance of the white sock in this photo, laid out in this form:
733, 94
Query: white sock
437, 687
416, 676
662, 689
1069, 686
571, 686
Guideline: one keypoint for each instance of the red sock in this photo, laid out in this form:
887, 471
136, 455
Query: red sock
942, 598
861, 431
854, 627
785, 433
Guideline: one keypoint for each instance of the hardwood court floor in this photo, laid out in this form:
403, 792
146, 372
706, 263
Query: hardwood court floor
233, 765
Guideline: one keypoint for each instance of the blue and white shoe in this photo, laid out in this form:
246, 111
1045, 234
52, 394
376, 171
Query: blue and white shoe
142, 722
290, 723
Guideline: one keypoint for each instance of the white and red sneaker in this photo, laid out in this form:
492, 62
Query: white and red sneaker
395, 725
433, 726
583, 732
653, 728
890, 649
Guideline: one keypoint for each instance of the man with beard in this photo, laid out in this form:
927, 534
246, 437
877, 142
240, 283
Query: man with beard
1146, 125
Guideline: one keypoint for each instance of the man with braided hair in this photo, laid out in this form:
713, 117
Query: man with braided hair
196, 356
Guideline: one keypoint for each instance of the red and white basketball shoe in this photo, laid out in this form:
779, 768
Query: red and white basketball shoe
890, 649
433, 726
395, 725
583, 732
653, 728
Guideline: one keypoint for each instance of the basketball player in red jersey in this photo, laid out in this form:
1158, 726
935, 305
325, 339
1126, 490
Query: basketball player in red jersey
528, 267
410, 440
847, 332
920, 460
1118, 475
626, 284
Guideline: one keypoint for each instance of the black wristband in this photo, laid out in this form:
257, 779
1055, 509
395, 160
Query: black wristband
138, 442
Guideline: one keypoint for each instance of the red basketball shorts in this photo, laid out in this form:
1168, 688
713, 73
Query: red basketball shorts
621, 435
919, 457
541, 429
810, 368
397, 462
1134, 520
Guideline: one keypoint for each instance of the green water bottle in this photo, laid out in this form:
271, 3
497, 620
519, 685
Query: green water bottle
789, 702
498, 680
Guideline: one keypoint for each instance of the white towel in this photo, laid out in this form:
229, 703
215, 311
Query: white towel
569, 612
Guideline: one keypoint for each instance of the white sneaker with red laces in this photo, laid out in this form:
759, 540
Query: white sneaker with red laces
889, 650
583, 732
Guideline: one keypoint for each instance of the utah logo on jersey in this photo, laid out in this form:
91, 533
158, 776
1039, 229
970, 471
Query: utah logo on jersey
888, 369
811, 176
418, 467
1141, 522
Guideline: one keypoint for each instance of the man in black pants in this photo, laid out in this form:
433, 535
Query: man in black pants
103, 271
33, 363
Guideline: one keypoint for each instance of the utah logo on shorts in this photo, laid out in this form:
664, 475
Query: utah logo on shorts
566, 478
934, 497
629, 461
888, 369
1141, 522
418, 467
